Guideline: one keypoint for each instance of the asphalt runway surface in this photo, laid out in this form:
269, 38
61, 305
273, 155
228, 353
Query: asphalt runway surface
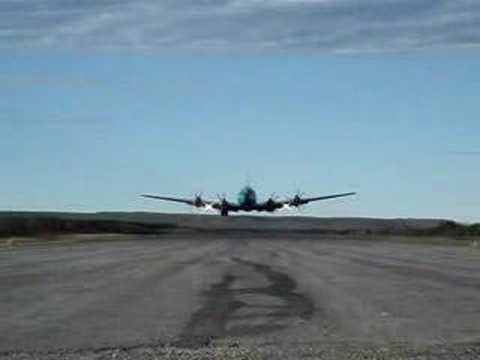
188, 293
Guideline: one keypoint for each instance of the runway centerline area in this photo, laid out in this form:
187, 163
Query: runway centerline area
189, 292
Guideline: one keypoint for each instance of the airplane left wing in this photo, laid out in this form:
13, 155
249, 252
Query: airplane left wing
298, 200
319, 198
271, 205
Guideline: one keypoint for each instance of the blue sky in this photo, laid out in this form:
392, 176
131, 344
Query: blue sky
94, 110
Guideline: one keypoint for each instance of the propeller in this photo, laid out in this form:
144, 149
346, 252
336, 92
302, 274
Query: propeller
300, 193
272, 199
198, 201
295, 201
272, 202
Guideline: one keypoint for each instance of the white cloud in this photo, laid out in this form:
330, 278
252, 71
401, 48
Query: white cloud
332, 25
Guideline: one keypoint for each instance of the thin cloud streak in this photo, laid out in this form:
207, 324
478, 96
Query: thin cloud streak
465, 153
331, 25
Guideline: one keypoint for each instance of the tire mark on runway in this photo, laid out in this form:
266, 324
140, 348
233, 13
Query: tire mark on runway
283, 287
222, 303
408, 260
126, 296
36, 258
422, 273
88, 315
108, 267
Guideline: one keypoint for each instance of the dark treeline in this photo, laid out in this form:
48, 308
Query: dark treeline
34, 226
39, 224
451, 228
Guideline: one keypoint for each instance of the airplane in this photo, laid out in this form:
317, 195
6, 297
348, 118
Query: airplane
246, 201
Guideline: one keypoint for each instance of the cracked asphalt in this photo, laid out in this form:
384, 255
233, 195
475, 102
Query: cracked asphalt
194, 293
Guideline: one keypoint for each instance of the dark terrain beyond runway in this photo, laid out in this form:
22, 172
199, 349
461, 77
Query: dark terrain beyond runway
189, 293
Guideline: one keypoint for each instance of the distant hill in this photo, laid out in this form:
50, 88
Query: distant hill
39, 223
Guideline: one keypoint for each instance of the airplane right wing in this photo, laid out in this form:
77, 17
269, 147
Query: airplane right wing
165, 198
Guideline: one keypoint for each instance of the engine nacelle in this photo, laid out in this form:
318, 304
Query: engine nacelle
271, 205
198, 202
296, 201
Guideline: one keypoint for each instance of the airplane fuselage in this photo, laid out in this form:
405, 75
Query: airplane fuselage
247, 199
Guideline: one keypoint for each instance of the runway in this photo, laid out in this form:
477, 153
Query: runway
190, 293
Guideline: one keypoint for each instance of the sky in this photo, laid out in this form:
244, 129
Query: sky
101, 101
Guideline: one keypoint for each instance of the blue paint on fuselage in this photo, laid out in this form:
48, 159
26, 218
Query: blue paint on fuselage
247, 197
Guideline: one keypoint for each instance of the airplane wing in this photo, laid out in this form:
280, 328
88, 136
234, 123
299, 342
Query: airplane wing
307, 200
179, 200
298, 201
